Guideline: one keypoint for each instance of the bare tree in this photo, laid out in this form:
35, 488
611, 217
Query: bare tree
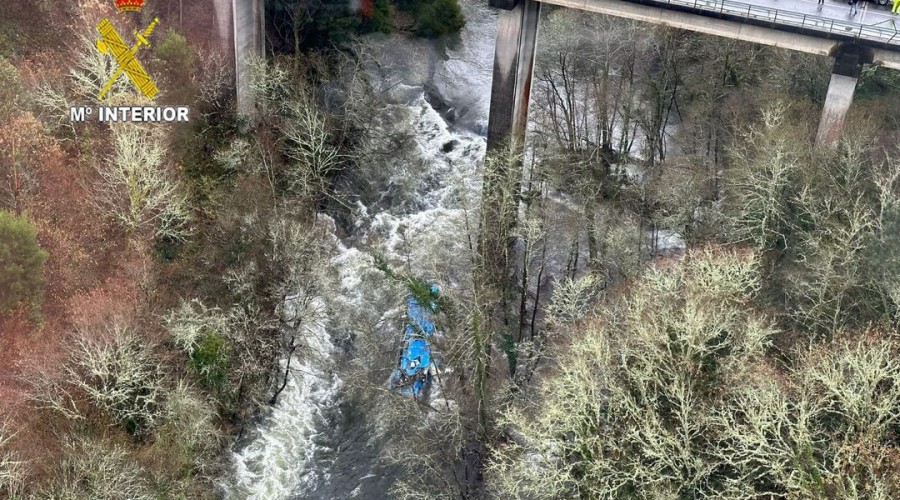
668, 394
308, 144
121, 377
839, 223
136, 188
190, 431
767, 161
93, 468
12, 469
25, 150
233, 351
629, 392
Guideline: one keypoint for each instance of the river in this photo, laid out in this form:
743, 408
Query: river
314, 443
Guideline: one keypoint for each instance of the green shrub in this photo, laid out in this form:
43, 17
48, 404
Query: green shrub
6, 47
176, 53
11, 90
178, 58
21, 263
332, 24
438, 17
381, 17
434, 17
203, 334
210, 359
876, 82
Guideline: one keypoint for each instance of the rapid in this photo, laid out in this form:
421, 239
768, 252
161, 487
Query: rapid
312, 443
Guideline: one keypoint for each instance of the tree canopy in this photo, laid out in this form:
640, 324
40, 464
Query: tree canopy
669, 394
21, 263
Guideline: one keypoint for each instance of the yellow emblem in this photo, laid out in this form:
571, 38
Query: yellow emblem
125, 56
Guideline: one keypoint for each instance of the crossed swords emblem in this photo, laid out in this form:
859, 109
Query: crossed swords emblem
112, 43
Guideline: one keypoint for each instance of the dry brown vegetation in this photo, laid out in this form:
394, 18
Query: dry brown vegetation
576, 368
98, 274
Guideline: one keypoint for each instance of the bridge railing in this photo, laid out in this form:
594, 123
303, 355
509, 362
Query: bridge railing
788, 18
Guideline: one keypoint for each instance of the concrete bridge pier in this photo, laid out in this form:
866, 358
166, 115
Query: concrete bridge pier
222, 9
517, 28
514, 54
242, 31
848, 63
249, 43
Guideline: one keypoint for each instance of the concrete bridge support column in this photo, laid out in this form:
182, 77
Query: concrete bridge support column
510, 92
517, 28
249, 43
848, 63
224, 24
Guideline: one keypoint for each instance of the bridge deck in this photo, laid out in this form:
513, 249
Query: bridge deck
873, 24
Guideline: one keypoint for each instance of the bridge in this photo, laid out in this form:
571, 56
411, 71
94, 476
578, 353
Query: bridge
871, 36
873, 25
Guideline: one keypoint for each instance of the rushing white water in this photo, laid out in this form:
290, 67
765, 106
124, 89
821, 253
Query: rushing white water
277, 460
307, 447
300, 450
289, 457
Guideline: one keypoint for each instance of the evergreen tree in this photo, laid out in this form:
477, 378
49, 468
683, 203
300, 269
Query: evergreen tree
21, 263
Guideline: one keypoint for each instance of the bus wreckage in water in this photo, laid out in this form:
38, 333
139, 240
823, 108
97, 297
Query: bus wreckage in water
416, 366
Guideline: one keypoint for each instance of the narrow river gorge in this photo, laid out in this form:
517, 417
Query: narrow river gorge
311, 444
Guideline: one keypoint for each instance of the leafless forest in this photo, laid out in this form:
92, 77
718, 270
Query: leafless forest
669, 292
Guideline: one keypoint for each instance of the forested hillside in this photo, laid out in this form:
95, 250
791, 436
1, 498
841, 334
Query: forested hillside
674, 294
762, 362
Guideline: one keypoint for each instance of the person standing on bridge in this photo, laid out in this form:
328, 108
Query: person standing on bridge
853, 8
821, 3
